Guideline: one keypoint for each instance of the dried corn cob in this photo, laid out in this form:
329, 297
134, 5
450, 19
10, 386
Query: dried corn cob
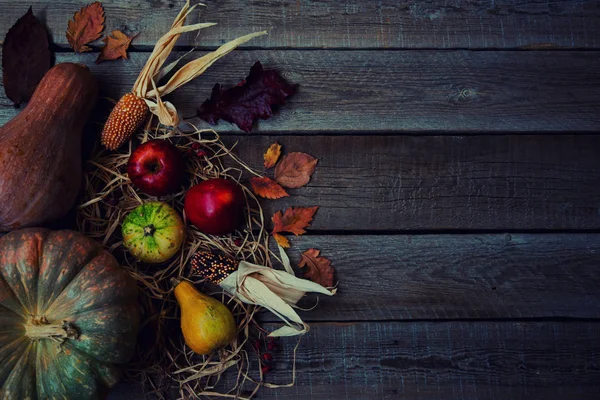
127, 116
131, 111
214, 267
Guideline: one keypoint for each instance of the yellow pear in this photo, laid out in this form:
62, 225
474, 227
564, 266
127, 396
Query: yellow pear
206, 323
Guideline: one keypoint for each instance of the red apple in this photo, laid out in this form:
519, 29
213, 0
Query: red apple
215, 206
156, 168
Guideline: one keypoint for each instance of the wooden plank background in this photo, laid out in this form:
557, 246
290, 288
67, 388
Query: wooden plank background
391, 183
457, 277
439, 360
398, 91
437, 24
458, 179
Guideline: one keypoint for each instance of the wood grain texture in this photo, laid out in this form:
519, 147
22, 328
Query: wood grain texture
397, 91
396, 277
441, 182
399, 184
345, 24
435, 360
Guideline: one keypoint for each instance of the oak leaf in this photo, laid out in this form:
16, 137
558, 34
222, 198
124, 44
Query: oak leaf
25, 57
293, 220
272, 155
267, 188
85, 27
252, 99
295, 169
115, 46
318, 268
281, 240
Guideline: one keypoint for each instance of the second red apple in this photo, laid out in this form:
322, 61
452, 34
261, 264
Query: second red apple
215, 206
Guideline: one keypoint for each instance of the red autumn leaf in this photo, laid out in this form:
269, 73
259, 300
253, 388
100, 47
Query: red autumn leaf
281, 240
293, 220
272, 155
85, 27
318, 268
295, 169
115, 46
267, 188
25, 57
245, 103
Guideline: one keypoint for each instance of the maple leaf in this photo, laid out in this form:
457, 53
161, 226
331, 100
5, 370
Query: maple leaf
25, 57
318, 268
293, 220
115, 46
272, 155
250, 100
281, 240
267, 188
295, 169
85, 27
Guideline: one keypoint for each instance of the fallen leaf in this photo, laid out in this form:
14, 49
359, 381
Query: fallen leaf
293, 220
248, 101
25, 57
281, 240
318, 268
267, 188
272, 155
115, 46
295, 169
85, 27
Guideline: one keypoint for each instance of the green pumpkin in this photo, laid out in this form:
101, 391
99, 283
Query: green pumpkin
68, 316
153, 232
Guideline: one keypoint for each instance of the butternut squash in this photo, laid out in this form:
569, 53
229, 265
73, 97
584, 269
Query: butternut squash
40, 149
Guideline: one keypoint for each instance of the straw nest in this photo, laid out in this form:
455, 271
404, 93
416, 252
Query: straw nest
163, 362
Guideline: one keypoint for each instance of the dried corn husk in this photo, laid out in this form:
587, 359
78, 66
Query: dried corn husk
145, 84
274, 290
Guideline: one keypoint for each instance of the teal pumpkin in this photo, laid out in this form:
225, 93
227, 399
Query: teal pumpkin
153, 232
68, 316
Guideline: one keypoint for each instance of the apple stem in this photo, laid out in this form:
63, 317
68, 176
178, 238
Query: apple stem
149, 230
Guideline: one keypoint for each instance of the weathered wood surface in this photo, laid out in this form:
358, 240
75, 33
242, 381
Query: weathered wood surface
435, 360
345, 24
401, 277
407, 183
420, 151
397, 184
440, 182
398, 91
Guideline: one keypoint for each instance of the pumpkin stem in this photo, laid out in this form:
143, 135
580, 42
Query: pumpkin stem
149, 230
39, 328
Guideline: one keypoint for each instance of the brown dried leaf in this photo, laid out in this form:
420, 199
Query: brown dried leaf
85, 27
295, 169
294, 220
318, 268
272, 155
25, 58
267, 188
115, 46
281, 240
